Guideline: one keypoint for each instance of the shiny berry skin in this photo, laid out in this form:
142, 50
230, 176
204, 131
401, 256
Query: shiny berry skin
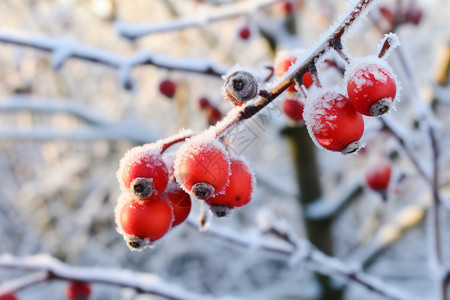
239, 190
244, 33
371, 87
143, 172
8, 296
168, 88
333, 122
379, 175
293, 108
180, 201
146, 219
202, 168
78, 290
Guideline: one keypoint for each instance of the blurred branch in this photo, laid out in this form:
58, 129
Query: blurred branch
228, 12
300, 250
62, 50
54, 269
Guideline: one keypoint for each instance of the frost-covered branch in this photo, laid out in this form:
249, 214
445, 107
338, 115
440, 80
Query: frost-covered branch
306, 63
231, 11
62, 50
300, 250
142, 283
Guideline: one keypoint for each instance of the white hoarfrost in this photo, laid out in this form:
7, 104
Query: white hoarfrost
190, 150
317, 106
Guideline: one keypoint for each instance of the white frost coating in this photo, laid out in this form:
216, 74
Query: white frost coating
145, 282
316, 107
135, 156
394, 42
60, 55
192, 146
373, 64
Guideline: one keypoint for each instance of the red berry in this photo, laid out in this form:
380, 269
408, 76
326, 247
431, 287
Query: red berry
307, 79
333, 122
286, 7
143, 172
244, 32
78, 290
213, 114
283, 62
202, 168
203, 103
168, 88
239, 190
180, 202
146, 219
371, 86
293, 109
414, 15
8, 296
378, 175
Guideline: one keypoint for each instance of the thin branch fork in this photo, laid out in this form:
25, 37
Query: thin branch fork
300, 250
48, 268
137, 31
63, 50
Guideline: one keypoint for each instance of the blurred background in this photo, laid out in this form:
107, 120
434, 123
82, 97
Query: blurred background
65, 124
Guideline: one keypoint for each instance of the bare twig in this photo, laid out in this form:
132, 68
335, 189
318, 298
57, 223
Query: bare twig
63, 50
136, 31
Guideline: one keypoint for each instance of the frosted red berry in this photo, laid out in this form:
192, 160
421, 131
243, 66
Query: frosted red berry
333, 122
143, 172
378, 175
202, 168
168, 88
180, 201
78, 290
244, 32
8, 296
146, 219
371, 87
239, 190
282, 64
293, 108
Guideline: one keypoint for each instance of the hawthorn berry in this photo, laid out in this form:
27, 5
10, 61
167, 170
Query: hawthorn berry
371, 86
244, 32
143, 172
168, 88
180, 201
283, 62
203, 103
144, 222
333, 122
286, 7
8, 296
202, 168
378, 175
78, 290
237, 193
293, 108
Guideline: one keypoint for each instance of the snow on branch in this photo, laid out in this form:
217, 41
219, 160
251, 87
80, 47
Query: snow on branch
62, 50
300, 250
54, 269
231, 11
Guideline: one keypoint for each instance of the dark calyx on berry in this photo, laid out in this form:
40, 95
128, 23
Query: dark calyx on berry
142, 187
202, 190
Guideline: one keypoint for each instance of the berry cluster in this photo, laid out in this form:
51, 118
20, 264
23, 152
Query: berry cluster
157, 187
334, 117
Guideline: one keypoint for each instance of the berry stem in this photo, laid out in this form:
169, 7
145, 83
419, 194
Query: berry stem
174, 141
337, 46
